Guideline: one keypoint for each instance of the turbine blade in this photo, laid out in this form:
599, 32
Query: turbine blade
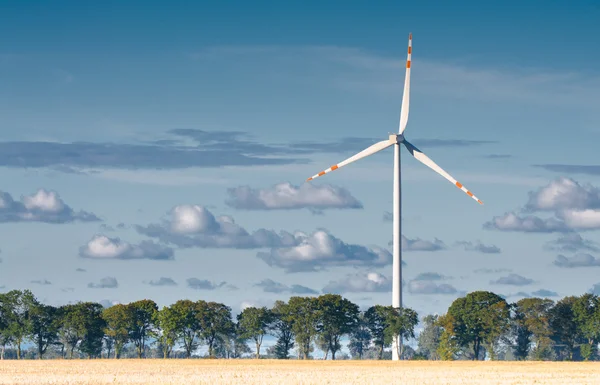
418, 154
364, 153
406, 94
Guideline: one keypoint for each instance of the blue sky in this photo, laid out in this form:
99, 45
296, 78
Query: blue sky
165, 129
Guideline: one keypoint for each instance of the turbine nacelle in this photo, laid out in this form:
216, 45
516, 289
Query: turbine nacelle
396, 138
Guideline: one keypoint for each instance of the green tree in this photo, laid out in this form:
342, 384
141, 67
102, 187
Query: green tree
4, 335
44, 326
71, 328
16, 307
360, 337
214, 320
337, 317
400, 322
376, 322
281, 328
479, 317
141, 323
92, 328
305, 318
532, 317
429, 338
586, 311
117, 319
255, 323
167, 327
449, 345
188, 326
563, 326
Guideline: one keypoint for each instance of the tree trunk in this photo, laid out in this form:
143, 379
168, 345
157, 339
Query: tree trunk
257, 349
2, 352
71, 353
476, 350
380, 351
18, 350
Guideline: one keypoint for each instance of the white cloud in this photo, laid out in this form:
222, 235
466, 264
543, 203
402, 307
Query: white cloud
575, 207
204, 284
530, 224
578, 260
430, 287
544, 293
479, 247
563, 194
360, 283
105, 283
106, 303
419, 244
270, 286
195, 226
42, 206
103, 247
571, 242
320, 250
285, 196
513, 279
163, 281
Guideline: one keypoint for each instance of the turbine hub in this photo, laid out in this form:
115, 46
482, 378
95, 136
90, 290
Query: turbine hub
396, 138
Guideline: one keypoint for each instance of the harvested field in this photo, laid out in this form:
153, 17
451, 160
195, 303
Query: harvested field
248, 372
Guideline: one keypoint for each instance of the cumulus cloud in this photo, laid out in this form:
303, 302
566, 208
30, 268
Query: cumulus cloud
564, 193
430, 287
479, 247
571, 242
575, 207
204, 284
544, 293
578, 260
285, 196
163, 281
513, 279
104, 283
270, 286
41, 282
106, 303
529, 224
43, 206
195, 226
103, 247
360, 283
419, 244
320, 250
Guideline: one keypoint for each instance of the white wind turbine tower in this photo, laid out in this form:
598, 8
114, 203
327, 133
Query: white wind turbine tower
395, 140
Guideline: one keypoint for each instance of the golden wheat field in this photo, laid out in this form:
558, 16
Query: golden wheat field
249, 372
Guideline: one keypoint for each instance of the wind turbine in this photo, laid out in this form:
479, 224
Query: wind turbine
395, 140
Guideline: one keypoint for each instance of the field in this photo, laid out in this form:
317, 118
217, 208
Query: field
249, 372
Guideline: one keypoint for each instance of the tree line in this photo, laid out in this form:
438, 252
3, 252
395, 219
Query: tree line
480, 325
